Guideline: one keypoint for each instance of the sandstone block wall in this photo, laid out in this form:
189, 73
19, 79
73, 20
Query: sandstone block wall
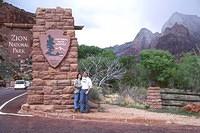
154, 97
53, 86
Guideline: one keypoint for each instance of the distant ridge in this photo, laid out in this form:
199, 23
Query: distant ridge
180, 34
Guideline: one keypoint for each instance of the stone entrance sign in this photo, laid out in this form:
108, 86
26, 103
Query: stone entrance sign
19, 44
54, 62
54, 46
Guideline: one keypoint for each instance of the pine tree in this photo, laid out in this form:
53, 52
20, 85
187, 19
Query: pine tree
50, 45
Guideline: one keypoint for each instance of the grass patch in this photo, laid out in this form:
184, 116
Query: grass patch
176, 111
135, 105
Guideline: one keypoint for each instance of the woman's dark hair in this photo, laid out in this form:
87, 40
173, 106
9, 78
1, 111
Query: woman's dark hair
78, 75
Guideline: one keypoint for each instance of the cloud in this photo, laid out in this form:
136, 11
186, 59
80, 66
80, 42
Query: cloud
110, 22
116, 22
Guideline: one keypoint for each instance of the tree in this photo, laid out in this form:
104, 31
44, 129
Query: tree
128, 61
87, 51
50, 45
8, 66
135, 74
107, 54
102, 69
188, 73
1, 1
160, 66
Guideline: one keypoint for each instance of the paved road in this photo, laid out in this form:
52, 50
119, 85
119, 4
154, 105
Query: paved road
14, 106
22, 124
11, 124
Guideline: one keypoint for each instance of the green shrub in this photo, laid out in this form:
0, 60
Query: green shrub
95, 94
136, 74
188, 73
160, 66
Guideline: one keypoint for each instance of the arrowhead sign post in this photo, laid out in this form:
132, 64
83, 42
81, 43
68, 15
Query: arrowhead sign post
54, 46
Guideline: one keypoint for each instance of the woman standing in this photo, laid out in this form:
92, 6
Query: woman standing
77, 86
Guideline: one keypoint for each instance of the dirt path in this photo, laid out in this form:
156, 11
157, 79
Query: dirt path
117, 112
130, 115
113, 113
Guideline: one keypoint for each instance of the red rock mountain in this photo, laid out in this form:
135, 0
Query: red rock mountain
177, 40
11, 14
180, 34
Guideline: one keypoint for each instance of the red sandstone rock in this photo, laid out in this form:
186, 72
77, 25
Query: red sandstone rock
73, 75
25, 107
57, 92
36, 51
72, 60
73, 67
68, 12
67, 96
47, 76
38, 82
51, 82
57, 102
64, 69
52, 97
35, 99
50, 25
70, 33
68, 28
192, 107
52, 70
38, 28
36, 45
40, 66
73, 49
36, 88
72, 55
60, 77
60, 10
61, 87
48, 90
68, 90
60, 23
40, 21
35, 74
64, 82
154, 97
52, 86
67, 102
35, 92
45, 108
38, 58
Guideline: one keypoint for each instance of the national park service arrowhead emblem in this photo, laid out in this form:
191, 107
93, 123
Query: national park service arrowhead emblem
54, 46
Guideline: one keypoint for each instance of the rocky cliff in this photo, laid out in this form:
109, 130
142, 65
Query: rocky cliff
191, 22
12, 14
180, 34
177, 40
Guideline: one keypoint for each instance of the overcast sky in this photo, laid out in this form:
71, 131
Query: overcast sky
111, 22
